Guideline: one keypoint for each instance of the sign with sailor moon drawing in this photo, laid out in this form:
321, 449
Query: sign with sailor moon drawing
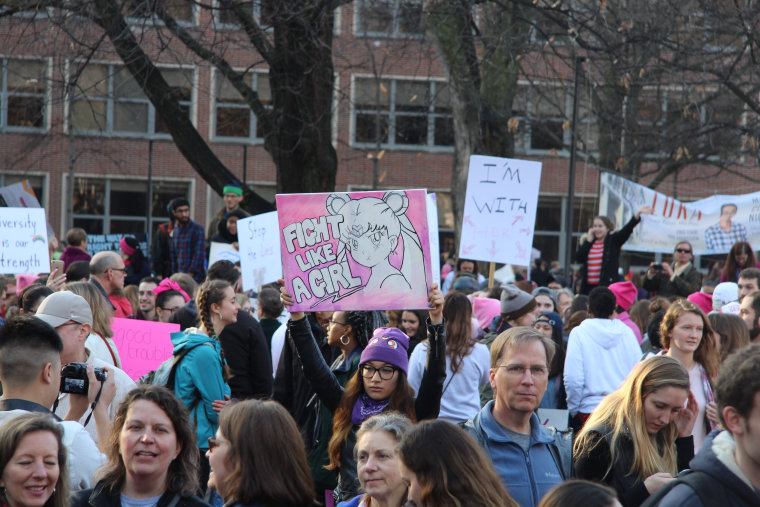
356, 250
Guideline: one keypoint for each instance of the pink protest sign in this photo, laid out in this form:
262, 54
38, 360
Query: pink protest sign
142, 345
355, 251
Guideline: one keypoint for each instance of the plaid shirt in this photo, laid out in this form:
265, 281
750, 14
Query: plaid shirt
720, 241
189, 250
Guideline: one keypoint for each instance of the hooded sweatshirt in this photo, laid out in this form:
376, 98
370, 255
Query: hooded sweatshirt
717, 458
200, 374
600, 355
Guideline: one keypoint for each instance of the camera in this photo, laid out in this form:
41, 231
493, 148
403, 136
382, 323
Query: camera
74, 378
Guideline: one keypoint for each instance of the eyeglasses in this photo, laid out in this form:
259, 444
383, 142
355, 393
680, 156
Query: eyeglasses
212, 443
171, 310
386, 372
336, 322
123, 270
682, 250
518, 370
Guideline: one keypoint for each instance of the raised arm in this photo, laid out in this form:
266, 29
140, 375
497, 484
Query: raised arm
428, 402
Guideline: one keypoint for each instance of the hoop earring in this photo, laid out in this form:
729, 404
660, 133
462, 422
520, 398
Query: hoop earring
348, 340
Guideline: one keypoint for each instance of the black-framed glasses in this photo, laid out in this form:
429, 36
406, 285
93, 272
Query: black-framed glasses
212, 443
123, 270
683, 250
386, 372
330, 322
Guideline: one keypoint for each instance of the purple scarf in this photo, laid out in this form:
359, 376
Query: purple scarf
365, 407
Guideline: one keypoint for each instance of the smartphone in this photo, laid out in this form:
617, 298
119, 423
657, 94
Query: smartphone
658, 267
56, 264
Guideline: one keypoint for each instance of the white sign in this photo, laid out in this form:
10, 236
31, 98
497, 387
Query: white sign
222, 252
500, 210
23, 241
711, 225
259, 240
435, 249
21, 195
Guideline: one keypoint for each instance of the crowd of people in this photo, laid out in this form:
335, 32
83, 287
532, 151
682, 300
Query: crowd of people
652, 387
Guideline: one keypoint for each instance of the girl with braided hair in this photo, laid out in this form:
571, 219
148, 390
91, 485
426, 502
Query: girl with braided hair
199, 380
350, 332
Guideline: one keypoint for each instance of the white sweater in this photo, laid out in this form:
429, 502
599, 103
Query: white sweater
461, 397
600, 355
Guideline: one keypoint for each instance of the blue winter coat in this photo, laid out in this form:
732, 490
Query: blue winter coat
527, 476
199, 377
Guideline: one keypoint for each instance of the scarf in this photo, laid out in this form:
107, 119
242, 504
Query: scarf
365, 407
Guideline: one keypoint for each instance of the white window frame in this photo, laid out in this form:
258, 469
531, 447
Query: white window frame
4, 95
395, 33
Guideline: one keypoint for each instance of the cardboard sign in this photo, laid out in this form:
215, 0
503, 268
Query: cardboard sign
143, 345
110, 242
435, 248
356, 251
222, 252
21, 195
259, 240
23, 241
500, 210
711, 225
556, 417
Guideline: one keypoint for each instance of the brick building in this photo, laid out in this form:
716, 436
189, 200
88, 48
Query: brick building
106, 134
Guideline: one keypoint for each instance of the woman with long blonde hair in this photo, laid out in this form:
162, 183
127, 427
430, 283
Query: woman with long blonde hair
686, 335
639, 436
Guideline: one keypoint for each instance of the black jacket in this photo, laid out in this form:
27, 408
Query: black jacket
613, 242
426, 405
684, 284
592, 464
160, 253
245, 349
97, 497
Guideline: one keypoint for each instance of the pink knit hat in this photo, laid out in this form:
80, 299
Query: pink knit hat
625, 294
485, 309
702, 300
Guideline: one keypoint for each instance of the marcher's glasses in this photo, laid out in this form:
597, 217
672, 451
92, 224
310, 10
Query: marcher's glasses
123, 270
682, 250
212, 443
386, 372
518, 370
336, 322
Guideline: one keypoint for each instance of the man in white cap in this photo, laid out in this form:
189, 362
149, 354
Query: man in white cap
71, 317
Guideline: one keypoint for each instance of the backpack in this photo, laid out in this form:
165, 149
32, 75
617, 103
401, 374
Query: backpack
709, 489
166, 372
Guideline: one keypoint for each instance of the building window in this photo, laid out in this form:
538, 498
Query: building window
389, 18
23, 94
107, 100
136, 10
112, 206
402, 113
234, 119
262, 11
542, 119
549, 237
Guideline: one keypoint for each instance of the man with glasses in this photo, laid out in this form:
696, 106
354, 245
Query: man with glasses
107, 273
188, 244
680, 279
530, 458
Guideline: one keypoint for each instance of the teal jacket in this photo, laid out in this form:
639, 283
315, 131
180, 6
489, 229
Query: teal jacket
199, 377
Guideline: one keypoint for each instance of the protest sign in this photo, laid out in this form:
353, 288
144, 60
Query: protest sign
23, 241
143, 345
222, 251
711, 225
435, 248
21, 195
110, 242
259, 240
355, 251
500, 210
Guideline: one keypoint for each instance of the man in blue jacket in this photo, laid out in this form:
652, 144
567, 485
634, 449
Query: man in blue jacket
530, 458
727, 469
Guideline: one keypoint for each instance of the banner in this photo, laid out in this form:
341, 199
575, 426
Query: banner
355, 251
500, 210
259, 241
711, 225
23, 241
110, 242
143, 345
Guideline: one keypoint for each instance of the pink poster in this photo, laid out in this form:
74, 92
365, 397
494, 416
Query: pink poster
355, 251
143, 345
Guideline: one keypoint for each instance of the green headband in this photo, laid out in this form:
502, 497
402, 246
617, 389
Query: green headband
229, 189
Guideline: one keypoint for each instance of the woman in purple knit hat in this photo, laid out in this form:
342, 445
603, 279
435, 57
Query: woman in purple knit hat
380, 384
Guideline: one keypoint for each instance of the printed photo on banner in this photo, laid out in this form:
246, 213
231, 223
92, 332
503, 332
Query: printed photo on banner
711, 225
355, 251
23, 241
500, 210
